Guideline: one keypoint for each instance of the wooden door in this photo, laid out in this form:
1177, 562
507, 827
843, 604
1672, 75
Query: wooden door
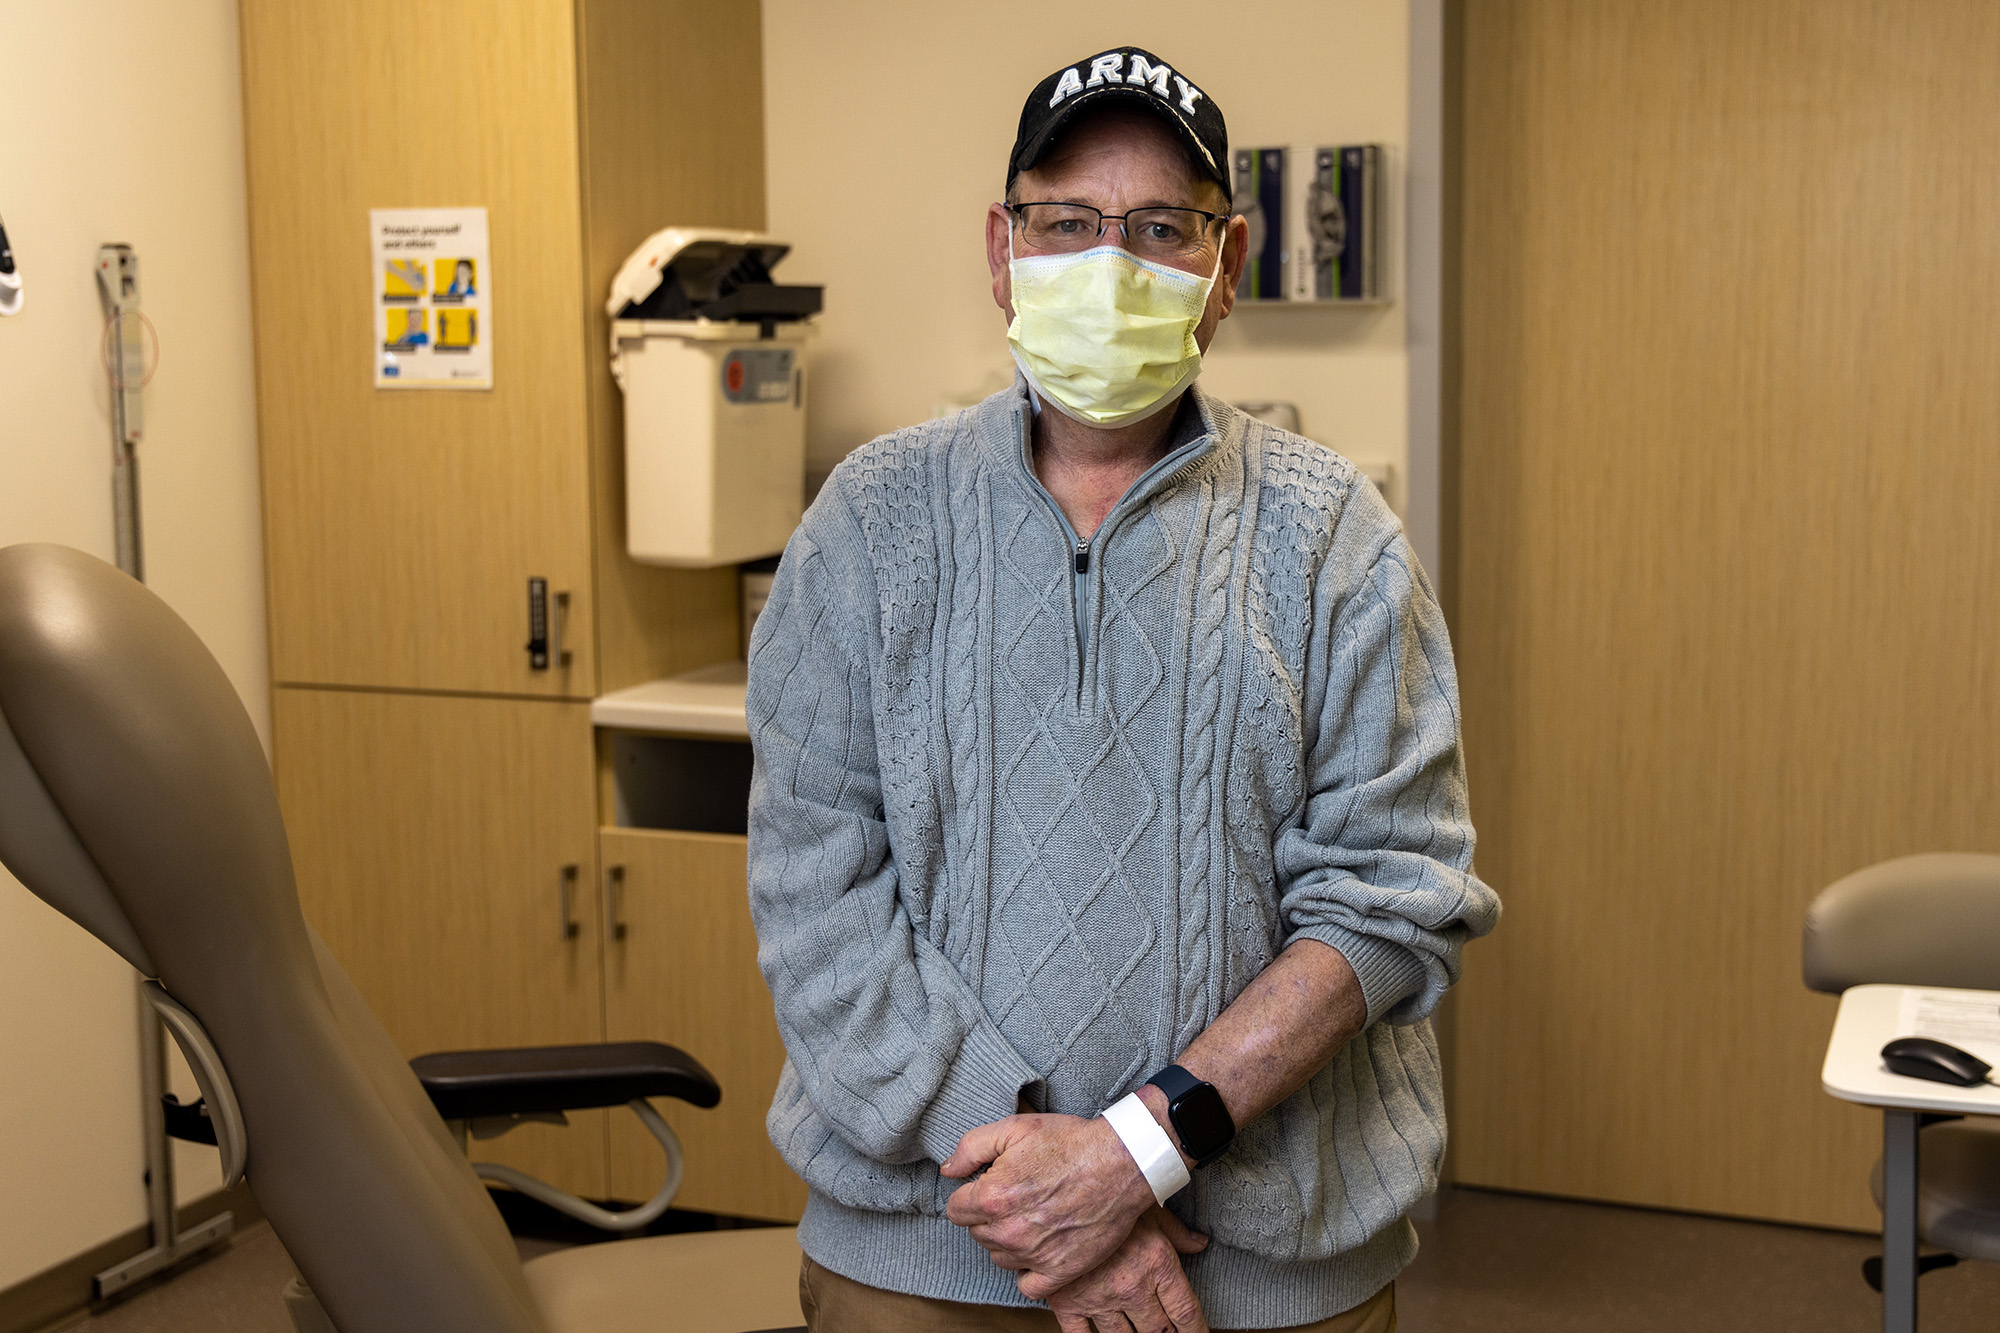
431, 836
686, 973
1727, 621
402, 525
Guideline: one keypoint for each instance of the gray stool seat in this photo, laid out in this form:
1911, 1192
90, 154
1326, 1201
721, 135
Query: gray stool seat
1958, 1196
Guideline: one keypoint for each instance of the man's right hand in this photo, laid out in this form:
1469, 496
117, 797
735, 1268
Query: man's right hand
1140, 1288
1058, 1195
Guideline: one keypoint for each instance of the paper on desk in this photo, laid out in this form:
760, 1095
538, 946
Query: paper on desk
1969, 1020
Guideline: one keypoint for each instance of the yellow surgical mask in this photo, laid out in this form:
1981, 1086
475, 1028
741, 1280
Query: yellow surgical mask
1103, 336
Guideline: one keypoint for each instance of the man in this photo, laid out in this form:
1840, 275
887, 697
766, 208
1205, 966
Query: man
1109, 824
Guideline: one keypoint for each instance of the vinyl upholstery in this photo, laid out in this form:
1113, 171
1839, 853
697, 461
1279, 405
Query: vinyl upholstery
707, 1282
135, 799
1926, 920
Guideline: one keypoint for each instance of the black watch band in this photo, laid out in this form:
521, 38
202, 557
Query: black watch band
1197, 1112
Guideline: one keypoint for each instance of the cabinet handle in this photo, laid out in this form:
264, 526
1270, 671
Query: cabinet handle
569, 927
614, 901
559, 635
538, 624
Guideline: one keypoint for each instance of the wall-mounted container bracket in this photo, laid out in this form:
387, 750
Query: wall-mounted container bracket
711, 356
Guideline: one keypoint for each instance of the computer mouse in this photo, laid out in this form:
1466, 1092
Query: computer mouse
1921, 1057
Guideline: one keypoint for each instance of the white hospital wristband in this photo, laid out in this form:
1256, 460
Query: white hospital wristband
1159, 1161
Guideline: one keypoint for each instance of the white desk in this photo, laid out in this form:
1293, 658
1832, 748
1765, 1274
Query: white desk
708, 702
1869, 1017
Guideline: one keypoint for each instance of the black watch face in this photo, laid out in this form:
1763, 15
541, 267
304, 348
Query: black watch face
1202, 1121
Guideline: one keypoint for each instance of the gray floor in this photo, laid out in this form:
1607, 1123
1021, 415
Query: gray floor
237, 1291
1496, 1263
1503, 1262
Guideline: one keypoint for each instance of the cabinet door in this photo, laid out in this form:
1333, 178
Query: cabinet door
685, 972
432, 837
401, 526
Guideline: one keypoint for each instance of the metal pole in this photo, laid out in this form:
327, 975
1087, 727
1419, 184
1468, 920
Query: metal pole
125, 361
159, 1152
125, 510
1899, 1220
118, 289
167, 1247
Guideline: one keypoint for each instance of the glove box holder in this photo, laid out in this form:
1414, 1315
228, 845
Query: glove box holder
711, 356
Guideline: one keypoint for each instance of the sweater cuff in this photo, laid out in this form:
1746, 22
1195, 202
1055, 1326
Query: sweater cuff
1388, 972
983, 1085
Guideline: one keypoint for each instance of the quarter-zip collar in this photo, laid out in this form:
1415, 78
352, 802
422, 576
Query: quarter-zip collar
1195, 437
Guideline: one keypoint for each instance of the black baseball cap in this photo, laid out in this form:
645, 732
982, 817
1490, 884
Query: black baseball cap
1123, 76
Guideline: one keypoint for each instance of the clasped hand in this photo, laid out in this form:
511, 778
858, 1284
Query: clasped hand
1062, 1204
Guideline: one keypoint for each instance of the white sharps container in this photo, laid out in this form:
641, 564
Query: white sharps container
711, 356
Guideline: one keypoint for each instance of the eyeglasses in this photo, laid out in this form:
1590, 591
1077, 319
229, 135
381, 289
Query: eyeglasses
1150, 233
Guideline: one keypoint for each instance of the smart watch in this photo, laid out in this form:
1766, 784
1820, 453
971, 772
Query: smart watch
1197, 1112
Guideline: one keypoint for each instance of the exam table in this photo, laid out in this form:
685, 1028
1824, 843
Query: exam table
135, 799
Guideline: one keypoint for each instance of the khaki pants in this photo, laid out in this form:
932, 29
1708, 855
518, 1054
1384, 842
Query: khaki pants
836, 1304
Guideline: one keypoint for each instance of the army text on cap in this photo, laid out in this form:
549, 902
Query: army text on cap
1106, 69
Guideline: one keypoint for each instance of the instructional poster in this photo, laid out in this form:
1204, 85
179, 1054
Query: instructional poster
433, 294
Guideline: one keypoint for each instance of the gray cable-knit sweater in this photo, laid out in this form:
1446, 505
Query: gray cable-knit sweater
1029, 813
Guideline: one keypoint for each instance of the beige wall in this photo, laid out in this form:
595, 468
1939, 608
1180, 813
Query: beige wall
889, 124
124, 124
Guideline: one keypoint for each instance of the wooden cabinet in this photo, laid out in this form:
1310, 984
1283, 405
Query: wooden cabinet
402, 525
448, 850
683, 969
437, 786
442, 845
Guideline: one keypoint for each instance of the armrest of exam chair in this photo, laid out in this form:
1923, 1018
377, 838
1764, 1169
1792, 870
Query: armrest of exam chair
483, 1094
475, 1085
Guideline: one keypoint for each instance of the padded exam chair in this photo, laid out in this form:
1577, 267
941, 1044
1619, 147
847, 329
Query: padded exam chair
1929, 920
134, 798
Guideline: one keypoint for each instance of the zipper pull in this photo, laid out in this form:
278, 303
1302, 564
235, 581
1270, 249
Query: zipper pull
1083, 557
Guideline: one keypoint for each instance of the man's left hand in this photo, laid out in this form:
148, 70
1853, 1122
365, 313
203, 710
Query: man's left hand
1141, 1288
1059, 1195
